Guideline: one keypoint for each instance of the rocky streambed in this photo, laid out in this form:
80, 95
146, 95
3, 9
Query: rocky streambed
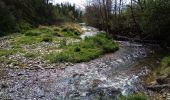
102, 78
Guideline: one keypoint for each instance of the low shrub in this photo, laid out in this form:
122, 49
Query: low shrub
77, 49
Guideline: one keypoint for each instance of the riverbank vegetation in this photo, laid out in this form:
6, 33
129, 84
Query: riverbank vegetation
58, 44
90, 48
19, 15
134, 96
140, 19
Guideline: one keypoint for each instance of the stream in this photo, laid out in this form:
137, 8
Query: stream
105, 78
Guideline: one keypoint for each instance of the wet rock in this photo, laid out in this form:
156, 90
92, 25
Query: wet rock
62, 67
3, 86
96, 82
76, 94
105, 92
158, 88
163, 80
75, 75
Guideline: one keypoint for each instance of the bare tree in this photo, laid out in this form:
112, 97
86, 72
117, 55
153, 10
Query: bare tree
133, 17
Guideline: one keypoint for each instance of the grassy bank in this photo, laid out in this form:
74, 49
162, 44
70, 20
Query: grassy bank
58, 44
165, 67
90, 48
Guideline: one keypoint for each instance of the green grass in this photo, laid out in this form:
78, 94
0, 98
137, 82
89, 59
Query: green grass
134, 97
14, 50
165, 66
6, 52
30, 55
44, 34
86, 50
68, 32
47, 38
26, 40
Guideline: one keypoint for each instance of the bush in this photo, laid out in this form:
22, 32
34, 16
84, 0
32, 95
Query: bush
23, 26
7, 20
77, 49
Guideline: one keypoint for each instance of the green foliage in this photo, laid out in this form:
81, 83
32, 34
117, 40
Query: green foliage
68, 12
165, 66
155, 20
86, 50
23, 26
133, 97
47, 38
144, 19
7, 22
68, 33
17, 15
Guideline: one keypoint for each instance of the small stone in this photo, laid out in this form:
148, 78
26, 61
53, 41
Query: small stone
4, 86
62, 67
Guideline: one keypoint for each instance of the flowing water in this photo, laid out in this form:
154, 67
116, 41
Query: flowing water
104, 78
